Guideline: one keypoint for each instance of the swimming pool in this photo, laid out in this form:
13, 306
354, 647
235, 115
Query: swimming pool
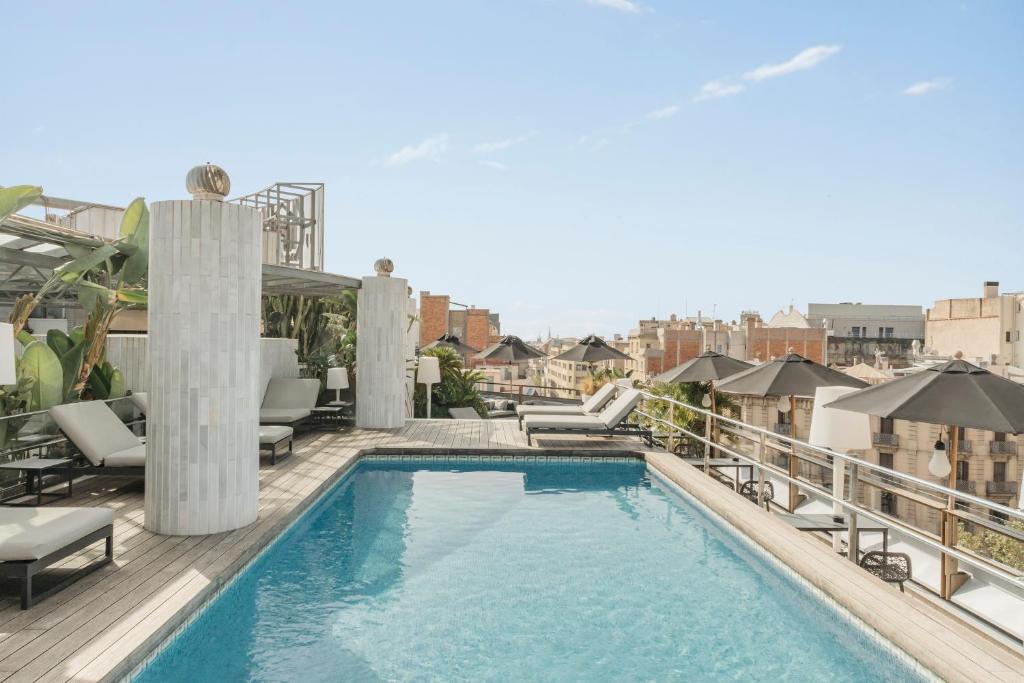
485, 569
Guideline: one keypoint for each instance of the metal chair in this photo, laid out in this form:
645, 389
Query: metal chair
748, 489
889, 567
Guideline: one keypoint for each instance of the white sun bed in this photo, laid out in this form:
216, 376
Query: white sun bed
610, 421
591, 406
105, 441
289, 401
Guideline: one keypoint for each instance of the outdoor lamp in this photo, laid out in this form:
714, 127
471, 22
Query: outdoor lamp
783, 404
939, 464
337, 379
706, 400
8, 373
840, 431
428, 372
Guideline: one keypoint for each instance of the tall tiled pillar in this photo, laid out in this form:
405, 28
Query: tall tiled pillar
381, 358
202, 455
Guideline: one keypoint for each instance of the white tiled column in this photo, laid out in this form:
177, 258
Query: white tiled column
202, 455
381, 357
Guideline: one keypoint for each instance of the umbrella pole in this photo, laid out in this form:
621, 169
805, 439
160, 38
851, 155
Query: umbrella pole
951, 576
792, 453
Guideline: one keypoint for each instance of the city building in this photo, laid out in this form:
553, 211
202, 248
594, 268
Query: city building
439, 315
858, 332
987, 329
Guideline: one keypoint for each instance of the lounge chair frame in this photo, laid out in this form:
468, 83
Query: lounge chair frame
84, 467
623, 429
25, 570
272, 448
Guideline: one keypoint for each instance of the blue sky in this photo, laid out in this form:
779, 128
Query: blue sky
572, 164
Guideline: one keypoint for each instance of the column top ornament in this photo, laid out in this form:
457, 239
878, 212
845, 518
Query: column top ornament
208, 181
384, 267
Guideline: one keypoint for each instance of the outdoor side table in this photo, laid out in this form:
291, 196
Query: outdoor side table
330, 413
34, 469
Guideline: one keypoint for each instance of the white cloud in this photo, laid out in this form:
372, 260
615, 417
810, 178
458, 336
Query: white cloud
664, 112
431, 149
496, 165
808, 59
925, 87
715, 89
621, 5
488, 147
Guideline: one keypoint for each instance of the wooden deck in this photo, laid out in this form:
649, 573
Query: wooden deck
102, 627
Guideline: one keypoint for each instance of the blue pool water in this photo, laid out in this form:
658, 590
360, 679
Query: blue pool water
515, 571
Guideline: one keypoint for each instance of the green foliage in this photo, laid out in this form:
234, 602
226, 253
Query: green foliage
106, 382
691, 393
42, 366
323, 326
996, 546
598, 377
70, 350
457, 388
14, 199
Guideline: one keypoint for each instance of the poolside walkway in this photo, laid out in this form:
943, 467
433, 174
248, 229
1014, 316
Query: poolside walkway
102, 627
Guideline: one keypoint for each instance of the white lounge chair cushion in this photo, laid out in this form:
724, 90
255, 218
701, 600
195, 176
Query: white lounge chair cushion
600, 399
563, 422
283, 414
141, 401
549, 410
94, 428
271, 434
129, 457
33, 533
287, 393
618, 409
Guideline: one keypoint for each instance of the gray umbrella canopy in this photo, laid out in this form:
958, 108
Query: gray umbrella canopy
707, 367
954, 393
510, 349
789, 375
591, 349
452, 342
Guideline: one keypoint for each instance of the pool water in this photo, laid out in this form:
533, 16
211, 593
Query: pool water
483, 570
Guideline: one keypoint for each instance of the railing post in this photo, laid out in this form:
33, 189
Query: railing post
672, 429
838, 480
519, 396
791, 469
853, 540
761, 457
707, 444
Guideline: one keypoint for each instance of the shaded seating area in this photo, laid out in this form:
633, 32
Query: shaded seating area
107, 444
32, 539
609, 422
289, 401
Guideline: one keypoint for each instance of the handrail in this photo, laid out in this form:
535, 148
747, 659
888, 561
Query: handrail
850, 459
853, 507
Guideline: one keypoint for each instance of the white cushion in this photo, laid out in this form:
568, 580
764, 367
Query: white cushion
291, 393
464, 414
549, 410
283, 414
270, 434
600, 398
32, 533
562, 422
94, 428
618, 409
129, 457
141, 401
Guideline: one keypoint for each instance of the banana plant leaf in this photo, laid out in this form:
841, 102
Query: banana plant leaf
40, 363
16, 198
71, 352
93, 294
135, 237
72, 271
133, 296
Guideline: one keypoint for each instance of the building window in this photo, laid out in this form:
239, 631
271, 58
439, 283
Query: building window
961, 434
854, 331
999, 471
881, 331
885, 427
999, 436
889, 333
963, 472
1007, 336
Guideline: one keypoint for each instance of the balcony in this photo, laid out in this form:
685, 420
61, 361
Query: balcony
890, 440
966, 486
1000, 488
964, 447
1002, 447
783, 429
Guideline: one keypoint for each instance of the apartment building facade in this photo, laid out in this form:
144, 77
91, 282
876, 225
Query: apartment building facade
989, 329
858, 332
475, 327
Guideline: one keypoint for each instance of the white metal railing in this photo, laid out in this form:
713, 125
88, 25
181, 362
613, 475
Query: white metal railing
942, 499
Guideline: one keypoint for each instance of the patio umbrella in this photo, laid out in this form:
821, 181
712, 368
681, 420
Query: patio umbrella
707, 367
591, 349
511, 349
452, 342
956, 394
791, 375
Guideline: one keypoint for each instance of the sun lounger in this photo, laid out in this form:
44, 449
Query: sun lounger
108, 445
289, 401
272, 437
464, 414
609, 422
32, 539
591, 406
